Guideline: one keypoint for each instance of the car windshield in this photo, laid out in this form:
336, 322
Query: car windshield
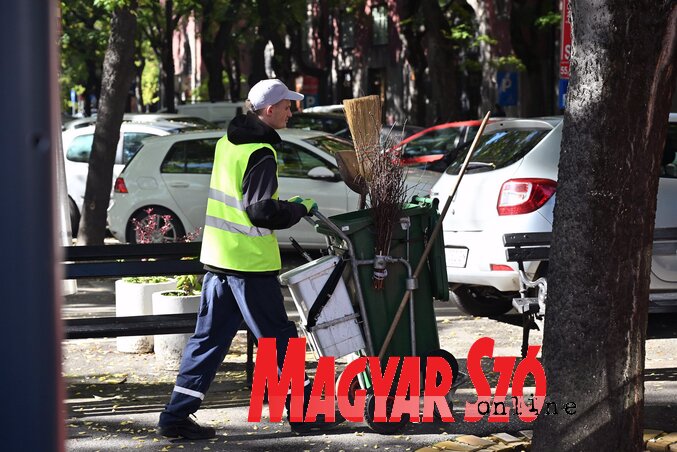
434, 142
327, 123
330, 144
495, 150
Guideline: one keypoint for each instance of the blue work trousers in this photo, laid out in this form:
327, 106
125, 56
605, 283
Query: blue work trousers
225, 302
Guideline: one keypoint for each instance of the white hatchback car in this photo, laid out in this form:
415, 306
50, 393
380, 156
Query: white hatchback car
171, 175
77, 145
509, 187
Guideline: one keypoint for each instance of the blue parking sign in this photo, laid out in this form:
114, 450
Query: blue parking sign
508, 85
563, 87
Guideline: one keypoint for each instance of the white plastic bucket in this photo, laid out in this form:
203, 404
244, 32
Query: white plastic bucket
337, 332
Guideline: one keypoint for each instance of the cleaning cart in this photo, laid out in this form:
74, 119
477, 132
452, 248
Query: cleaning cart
342, 314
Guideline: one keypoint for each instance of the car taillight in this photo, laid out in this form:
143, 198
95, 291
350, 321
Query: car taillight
519, 196
120, 186
501, 268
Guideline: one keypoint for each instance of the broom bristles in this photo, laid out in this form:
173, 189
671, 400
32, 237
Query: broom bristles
364, 120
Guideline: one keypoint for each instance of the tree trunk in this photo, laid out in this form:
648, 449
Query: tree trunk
623, 78
258, 68
138, 92
405, 16
494, 21
234, 73
271, 29
215, 49
445, 95
168, 58
535, 48
117, 76
212, 55
91, 87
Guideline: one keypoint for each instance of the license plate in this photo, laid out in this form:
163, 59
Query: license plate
456, 257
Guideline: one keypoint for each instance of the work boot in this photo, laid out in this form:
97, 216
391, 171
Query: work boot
186, 428
319, 425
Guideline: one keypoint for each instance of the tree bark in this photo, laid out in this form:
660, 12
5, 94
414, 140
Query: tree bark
215, 49
494, 21
117, 76
258, 68
535, 48
212, 55
445, 95
92, 86
234, 73
406, 16
623, 78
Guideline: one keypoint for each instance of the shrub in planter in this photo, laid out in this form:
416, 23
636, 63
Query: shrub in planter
133, 296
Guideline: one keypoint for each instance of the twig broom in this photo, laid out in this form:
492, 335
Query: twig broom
433, 236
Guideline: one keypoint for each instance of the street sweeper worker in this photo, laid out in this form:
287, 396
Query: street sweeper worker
241, 255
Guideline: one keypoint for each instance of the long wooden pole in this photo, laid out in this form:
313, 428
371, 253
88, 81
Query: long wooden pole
433, 236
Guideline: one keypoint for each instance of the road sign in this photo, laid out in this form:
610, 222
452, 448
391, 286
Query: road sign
563, 86
310, 100
565, 46
565, 54
507, 88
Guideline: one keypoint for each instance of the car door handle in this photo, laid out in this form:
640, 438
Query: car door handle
178, 184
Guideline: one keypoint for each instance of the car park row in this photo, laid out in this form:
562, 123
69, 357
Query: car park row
510, 186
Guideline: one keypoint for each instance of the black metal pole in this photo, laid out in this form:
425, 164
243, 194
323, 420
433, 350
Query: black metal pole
30, 376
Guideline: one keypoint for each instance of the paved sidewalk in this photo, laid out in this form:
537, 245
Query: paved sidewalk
113, 399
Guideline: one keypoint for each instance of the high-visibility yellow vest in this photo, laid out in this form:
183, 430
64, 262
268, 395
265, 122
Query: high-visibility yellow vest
230, 240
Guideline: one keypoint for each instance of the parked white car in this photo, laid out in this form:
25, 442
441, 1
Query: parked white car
510, 187
77, 145
171, 175
144, 118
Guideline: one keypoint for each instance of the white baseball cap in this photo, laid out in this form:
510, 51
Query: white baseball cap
270, 92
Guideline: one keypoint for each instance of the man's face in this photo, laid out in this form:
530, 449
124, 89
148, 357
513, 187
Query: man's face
276, 116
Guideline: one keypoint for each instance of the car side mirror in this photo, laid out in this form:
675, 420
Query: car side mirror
323, 173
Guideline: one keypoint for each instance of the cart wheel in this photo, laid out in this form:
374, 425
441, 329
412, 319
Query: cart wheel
448, 357
352, 388
453, 363
436, 412
384, 428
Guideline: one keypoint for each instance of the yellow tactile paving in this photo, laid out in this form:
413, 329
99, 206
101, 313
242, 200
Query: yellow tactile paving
654, 441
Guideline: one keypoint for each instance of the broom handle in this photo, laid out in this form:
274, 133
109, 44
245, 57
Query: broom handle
432, 238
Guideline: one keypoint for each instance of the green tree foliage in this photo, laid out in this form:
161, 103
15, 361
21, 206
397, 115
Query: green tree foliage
549, 19
85, 29
157, 21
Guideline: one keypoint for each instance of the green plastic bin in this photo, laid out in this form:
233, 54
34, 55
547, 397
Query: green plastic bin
381, 305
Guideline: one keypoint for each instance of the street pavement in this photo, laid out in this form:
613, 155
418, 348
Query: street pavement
113, 399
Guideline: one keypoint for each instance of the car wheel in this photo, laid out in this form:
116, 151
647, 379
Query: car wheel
154, 225
482, 301
75, 217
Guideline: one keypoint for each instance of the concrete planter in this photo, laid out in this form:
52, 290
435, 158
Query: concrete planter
169, 347
133, 298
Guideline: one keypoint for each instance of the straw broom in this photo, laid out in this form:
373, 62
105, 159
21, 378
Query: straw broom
364, 120
382, 172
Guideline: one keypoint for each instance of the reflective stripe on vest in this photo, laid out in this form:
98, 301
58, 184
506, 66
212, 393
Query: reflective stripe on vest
230, 240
